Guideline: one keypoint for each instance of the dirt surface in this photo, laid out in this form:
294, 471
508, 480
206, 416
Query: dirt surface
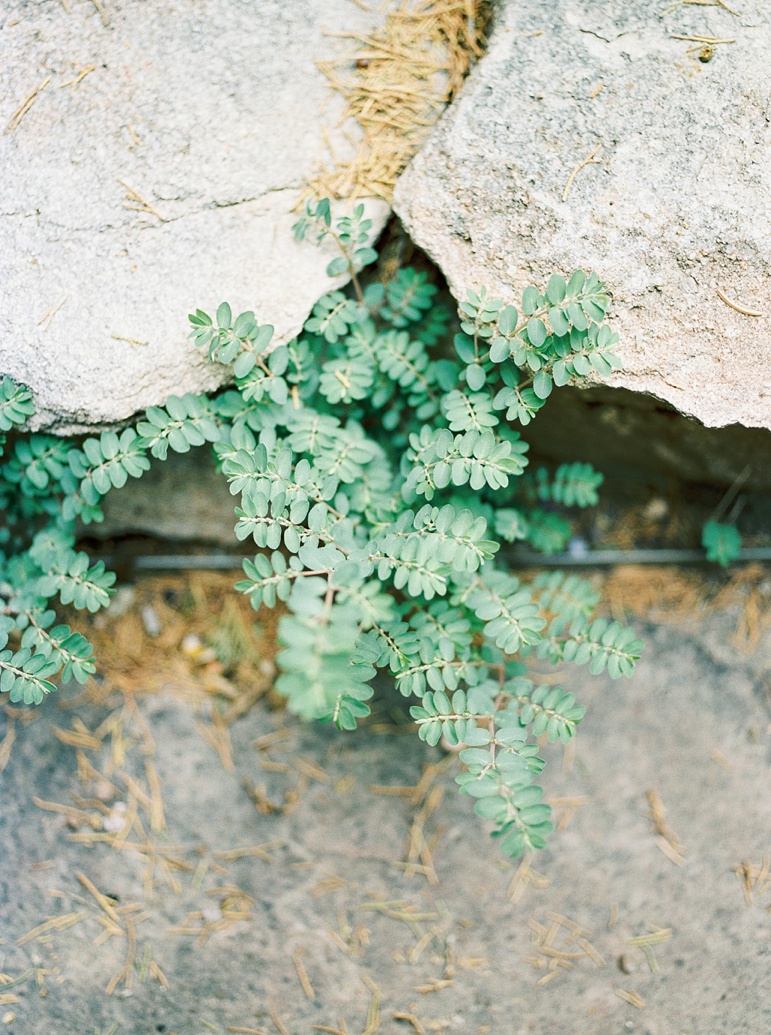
357, 910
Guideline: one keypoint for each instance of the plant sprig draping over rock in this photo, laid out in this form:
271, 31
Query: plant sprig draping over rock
378, 475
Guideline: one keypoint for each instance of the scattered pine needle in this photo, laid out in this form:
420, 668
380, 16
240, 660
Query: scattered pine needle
6, 982
56, 923
102, 13
137, 203
755, 878
395, 84
7, 744
645, 943
411, 1019
50, 313
720, 759
373, 1013
126, 973
261, 851
302, 974
81, 75
15, 119
735, 305
279, 1024
131, 341
559, 946
711, 40
102, 901
525, 877
633, 998
590, 160
434, 985
668, 842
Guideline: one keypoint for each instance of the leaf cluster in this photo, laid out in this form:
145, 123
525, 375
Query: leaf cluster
377, 466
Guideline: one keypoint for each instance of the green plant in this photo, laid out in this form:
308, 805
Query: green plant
723, 542
378, 470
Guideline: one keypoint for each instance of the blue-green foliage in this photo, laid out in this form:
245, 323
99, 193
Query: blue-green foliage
376, 464
722, 542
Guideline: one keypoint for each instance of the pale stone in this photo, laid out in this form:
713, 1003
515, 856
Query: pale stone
677, 206
213, 111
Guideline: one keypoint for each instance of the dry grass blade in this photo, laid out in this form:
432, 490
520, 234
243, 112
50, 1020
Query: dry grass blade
77, 816
396, 85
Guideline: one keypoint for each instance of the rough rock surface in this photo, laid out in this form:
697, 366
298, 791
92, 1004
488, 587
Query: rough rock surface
677, 206
212, 111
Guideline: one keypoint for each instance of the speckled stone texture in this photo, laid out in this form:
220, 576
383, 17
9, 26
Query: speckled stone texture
676, 205
210, 110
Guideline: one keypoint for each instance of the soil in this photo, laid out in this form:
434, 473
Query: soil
284, 878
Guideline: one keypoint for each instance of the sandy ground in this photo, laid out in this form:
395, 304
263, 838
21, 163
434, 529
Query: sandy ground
322, 924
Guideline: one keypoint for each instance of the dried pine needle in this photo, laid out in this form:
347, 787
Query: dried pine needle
373, 1013
525, 877
280, 1028
102, 901
735, 305
136, 203
633, 998
7, 743
56, 923
15, 119
590, 160
396, 85
302, 974
667, 841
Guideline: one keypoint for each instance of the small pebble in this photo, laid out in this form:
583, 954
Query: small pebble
626, 965
114, 819
151, 621
656, 510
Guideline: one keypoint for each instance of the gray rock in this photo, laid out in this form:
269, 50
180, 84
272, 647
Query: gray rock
213, 112
677, 206
183, 499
